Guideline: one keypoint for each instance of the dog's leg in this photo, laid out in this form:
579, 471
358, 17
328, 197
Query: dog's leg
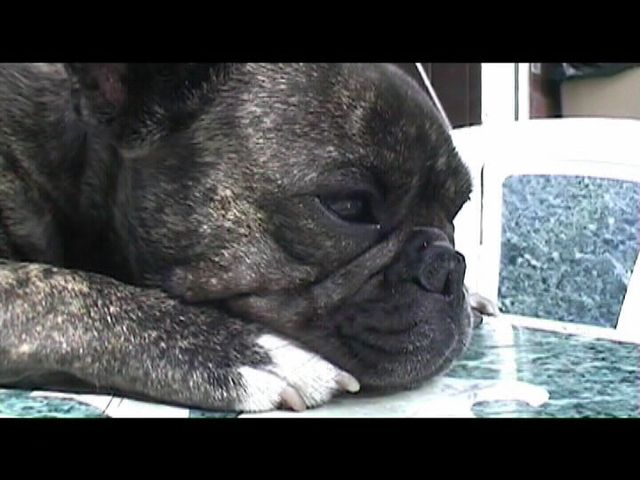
57, 323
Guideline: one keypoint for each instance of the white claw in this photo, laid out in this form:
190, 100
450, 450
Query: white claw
292, 399
348, 382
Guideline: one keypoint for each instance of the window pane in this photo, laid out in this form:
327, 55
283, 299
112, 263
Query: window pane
569, 245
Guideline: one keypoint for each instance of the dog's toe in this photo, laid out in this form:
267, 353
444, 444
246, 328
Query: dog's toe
296, 379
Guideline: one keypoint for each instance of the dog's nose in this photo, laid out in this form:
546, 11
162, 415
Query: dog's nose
429, 260
438, 261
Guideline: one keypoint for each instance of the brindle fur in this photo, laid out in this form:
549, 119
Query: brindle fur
155, 220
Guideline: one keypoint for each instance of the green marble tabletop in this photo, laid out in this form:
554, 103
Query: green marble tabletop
584, 377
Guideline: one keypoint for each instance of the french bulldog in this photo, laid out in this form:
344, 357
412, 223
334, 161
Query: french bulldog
227, 236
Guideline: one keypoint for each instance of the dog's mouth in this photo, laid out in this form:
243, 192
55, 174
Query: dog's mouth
401, 343
408, 322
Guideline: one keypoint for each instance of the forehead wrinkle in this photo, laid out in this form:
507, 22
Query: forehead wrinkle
303, 120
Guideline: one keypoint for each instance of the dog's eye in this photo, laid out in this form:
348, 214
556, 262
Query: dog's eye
353, 209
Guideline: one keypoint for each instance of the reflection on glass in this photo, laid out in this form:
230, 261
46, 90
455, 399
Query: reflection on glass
569, 245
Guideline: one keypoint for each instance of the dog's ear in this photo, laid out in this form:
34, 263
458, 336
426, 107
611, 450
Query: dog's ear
117, 92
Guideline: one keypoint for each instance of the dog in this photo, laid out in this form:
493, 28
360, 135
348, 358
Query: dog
227, 236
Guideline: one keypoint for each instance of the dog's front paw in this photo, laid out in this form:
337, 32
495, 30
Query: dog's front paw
296, 379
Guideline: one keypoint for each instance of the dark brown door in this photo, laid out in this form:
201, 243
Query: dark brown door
458, 86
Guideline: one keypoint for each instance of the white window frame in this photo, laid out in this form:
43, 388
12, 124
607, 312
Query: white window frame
604, 148
505, 93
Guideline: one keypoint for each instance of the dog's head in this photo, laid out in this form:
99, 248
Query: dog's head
317, 199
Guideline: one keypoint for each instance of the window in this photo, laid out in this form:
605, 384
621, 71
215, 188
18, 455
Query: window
569, 245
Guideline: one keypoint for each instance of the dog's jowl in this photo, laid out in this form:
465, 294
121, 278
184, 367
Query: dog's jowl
228, 236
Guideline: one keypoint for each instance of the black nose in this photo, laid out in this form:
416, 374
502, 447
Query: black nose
429, 260
438, 260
